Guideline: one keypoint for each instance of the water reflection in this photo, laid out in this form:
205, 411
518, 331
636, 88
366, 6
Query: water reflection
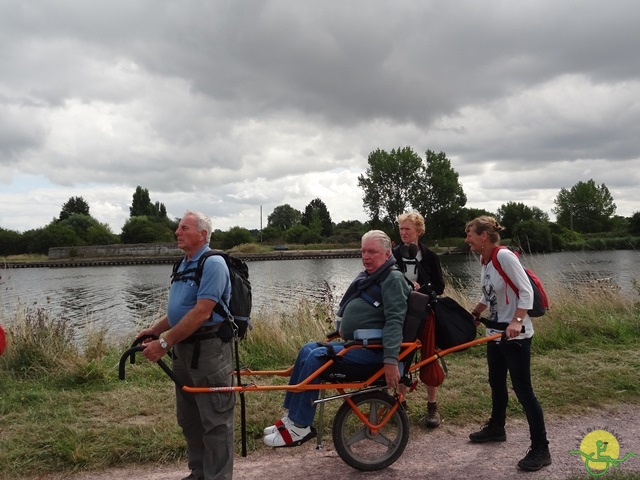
583, 275
462, 272
278, 284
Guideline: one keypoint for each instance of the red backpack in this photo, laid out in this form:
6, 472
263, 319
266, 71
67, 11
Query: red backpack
540, 299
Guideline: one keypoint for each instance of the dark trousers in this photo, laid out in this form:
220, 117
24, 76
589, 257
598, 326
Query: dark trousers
514, 356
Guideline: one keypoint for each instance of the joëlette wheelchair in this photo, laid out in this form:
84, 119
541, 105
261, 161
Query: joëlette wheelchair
371, 428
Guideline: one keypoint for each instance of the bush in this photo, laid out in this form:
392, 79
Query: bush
39, 346
236, 236
533, 236
10, 243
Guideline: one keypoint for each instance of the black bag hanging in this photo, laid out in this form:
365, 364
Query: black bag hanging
454, 324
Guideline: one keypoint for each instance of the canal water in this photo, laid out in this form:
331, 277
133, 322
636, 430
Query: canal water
122, 298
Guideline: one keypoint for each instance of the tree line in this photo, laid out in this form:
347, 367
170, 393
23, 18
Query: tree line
394, 182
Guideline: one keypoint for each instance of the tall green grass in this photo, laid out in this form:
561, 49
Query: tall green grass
63, 409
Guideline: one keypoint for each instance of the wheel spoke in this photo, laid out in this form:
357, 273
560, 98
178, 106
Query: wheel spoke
357, 445
358, 436
382, 439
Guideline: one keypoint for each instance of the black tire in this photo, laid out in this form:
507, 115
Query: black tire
355, 443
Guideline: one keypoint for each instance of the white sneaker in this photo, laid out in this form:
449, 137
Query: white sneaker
290, 436
274, 428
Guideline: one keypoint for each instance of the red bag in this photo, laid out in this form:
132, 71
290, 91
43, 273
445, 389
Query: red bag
540, 298
431, 374
3, 340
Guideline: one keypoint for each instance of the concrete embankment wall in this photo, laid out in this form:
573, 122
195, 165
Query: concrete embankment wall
110, 251
161, 253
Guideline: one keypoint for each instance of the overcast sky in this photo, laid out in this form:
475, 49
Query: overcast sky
227, 106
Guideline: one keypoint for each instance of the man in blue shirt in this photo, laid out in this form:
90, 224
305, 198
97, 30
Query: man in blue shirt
202, 358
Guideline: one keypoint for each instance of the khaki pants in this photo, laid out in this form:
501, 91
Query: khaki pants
206, 419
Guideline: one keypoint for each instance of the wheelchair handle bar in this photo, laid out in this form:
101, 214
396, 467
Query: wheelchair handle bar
131, 355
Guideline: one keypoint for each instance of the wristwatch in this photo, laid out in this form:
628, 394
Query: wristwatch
518, 319
164, 344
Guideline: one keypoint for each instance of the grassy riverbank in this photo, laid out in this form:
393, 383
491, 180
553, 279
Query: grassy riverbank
63, 410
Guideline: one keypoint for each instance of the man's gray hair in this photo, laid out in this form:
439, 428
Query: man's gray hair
203, 222
380, 236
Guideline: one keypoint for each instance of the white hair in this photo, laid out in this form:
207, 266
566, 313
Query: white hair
380, 236
203, 222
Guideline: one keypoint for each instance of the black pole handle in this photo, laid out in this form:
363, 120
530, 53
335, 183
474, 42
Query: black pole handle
138, 341
130, 354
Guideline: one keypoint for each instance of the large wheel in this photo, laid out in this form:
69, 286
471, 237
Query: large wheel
357, 445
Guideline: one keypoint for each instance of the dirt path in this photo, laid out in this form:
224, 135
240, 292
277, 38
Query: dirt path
444, 453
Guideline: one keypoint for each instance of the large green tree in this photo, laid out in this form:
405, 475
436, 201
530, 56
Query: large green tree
316, 211
284, 217
634, 224
349, 231
302, 234
237, 236
89, 231
585, 208
270, 234
72, 206
11, 242
533, 236
439, 196
141, 205
469, 214
389, 183
146, 229
511, 214
53, 235
400, 181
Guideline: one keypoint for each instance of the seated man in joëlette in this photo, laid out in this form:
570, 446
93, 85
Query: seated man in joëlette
358, 311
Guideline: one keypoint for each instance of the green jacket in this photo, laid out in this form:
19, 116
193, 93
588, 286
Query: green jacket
389, 317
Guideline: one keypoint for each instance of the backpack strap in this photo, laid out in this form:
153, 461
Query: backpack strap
195, 274
402, 262
221, 307
498, 267
183, 275
373, 294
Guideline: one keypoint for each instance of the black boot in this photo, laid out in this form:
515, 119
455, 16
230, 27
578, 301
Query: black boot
537, 456
490, 432
433, 417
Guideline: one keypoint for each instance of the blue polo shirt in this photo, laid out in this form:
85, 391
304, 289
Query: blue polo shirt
214, 285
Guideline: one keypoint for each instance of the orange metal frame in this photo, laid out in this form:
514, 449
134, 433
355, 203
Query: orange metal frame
406, 349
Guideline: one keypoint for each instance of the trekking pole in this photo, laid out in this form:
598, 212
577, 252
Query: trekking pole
243, 414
